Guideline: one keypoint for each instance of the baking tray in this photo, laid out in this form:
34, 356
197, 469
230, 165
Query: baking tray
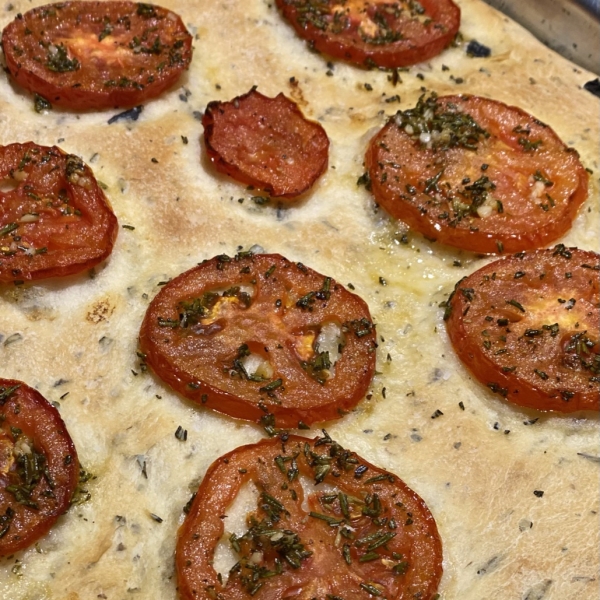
571, 27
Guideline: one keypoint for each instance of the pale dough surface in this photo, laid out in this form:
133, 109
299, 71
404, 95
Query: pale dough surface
76, 340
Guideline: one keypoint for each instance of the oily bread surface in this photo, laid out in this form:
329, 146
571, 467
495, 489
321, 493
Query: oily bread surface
75, 340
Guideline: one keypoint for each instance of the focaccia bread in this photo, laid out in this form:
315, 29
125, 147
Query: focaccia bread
514, 491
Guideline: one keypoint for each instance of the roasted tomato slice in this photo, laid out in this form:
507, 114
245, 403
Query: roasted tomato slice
258, 337
528, 326
92, 55
378, 33
476, 174
317, 521
54, 218
266, 143
39, 470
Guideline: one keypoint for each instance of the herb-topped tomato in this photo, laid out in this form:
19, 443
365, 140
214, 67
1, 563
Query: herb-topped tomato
266, 143
39, 470
326, 524
476, 174
375, 32
260, 338
91, 55
54, 218
528, 326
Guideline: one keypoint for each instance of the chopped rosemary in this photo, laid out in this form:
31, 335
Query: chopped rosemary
58, 61
442, 126
318, 367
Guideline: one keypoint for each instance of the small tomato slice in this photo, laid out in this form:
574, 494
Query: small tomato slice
54, 218
375, 32
528, 326
266, 143
39, 470
93, 55
326, 524
258, 337
476, 174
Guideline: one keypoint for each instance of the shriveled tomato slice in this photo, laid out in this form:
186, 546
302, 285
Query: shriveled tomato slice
476, 174
39, 470
266, 143
325, 524
528, 326
92, 55
54, 218
259, 337
378, 33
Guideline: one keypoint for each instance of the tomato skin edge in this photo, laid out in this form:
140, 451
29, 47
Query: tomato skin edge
222, 481
58, 264
83, 95
237, 172
390, 56
211, 396
81, 100
223, 402
56, 426
528, 396
476, 240
515, 389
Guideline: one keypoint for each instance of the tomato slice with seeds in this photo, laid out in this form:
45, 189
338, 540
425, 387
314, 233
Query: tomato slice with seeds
93, 55
260, 338
54, 218
375, 33
528, 326
266, 143
476, 174
39, 469
325, 524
